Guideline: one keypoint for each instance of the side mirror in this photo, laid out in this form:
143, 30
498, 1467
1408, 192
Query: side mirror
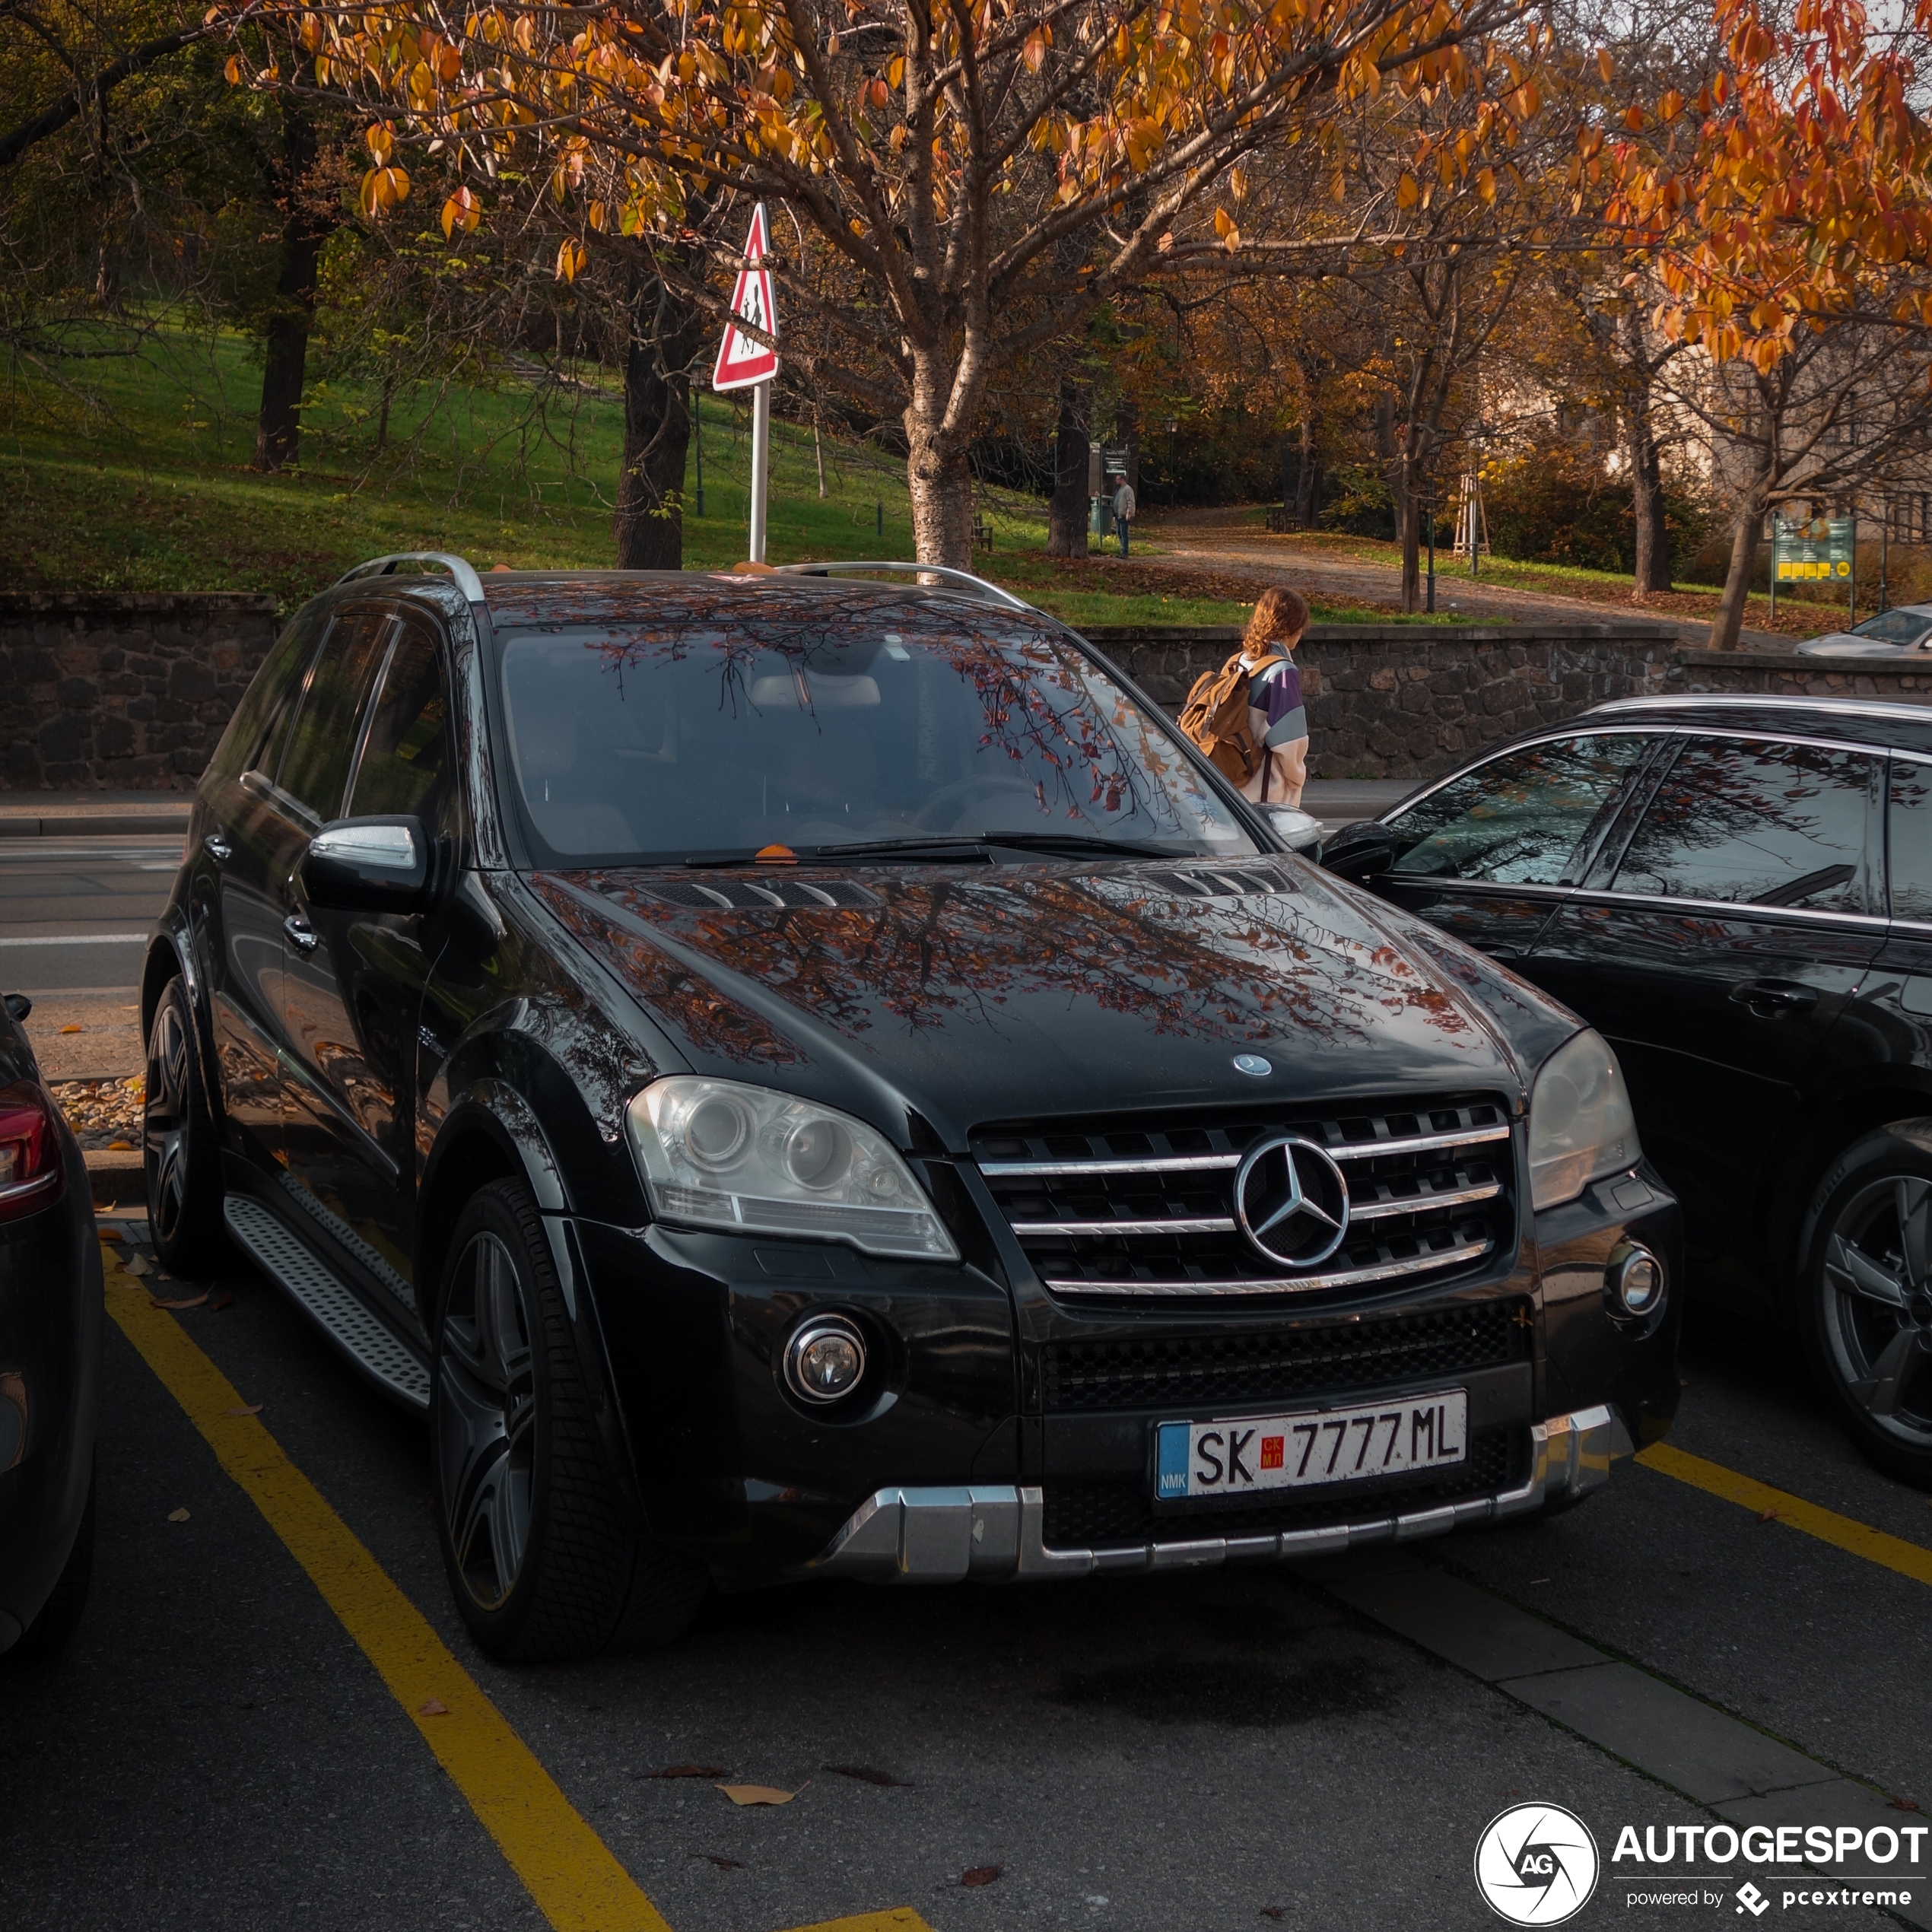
1361, 852
367, 865
1295, 829
18, 1005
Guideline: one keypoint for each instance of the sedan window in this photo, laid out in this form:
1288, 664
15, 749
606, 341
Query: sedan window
861, 724
1516, 820
1748, 822
1895, 626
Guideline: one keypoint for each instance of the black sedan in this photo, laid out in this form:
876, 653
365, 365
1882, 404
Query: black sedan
801, 1077
1737, 894
50, 1322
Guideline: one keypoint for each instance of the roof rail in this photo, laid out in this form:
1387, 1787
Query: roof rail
991, 593
461, 570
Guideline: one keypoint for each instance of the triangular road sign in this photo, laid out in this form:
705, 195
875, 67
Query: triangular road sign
742, 359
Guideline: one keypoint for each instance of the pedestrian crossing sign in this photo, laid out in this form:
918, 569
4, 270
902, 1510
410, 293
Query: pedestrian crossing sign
742, 359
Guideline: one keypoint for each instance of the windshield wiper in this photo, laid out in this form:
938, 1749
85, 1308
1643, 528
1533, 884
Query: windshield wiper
964, 844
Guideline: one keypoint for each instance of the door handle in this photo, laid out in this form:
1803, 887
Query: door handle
1767, 998
218, 848
299, 930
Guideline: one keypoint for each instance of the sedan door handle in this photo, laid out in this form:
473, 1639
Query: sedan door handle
1767, 997
299, 930
218, 848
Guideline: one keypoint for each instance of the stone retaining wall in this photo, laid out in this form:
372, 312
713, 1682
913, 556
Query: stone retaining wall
1402, 701
102, 691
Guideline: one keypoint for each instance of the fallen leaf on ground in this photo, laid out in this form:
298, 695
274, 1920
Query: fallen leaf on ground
1767, 1516
120, 1147
1905, 1804
177, 1516
70, 1029
866, 1776
979, 1875
221, 1302
435, 1707
723, 1864
756, 1793
1276, 1912
191, 1302
247, 1408
134, 1265
685, 1771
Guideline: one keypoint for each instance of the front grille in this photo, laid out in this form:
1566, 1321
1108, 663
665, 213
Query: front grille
1116, 1514
1121, 1209
1182, 1372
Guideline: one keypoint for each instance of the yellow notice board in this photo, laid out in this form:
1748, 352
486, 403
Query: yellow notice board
1817, 550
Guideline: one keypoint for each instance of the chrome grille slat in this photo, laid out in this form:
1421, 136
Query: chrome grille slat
1128, 1208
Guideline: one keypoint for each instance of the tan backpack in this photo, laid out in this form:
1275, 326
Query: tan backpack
1216, 718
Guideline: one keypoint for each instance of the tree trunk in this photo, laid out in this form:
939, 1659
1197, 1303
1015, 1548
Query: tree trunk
1307, 482
941, 487
285, 363
1066, 517
1409, 526
665, 329
1744, 539
1653, 558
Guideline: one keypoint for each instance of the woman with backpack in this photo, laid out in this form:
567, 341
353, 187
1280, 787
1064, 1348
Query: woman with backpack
1248, 717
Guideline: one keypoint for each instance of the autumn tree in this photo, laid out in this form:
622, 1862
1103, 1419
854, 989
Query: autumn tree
943, 155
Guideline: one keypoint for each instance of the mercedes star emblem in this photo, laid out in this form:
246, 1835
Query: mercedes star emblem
1290, 1201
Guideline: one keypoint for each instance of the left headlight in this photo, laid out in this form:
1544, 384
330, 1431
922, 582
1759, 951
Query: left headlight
1580, 1125
715, 1154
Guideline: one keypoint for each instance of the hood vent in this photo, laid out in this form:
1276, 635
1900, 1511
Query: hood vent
1217, 881
744, 895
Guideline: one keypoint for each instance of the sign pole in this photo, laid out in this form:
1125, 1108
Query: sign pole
760, 465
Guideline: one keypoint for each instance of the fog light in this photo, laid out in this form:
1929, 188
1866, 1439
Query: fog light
1634, 1280
825, 1359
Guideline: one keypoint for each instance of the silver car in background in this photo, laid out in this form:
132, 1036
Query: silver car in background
1899, 632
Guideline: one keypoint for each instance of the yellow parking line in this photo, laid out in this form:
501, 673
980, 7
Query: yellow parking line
578, 1883
1909, 1559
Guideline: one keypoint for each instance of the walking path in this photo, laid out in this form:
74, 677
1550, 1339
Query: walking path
1224, 537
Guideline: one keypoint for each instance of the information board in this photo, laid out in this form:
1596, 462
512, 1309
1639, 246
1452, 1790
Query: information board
1817, 550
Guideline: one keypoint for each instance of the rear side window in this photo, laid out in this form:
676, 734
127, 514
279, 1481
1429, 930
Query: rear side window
1909, 839
314, 770
1746, 822
405, 753
270, 694
1516, 820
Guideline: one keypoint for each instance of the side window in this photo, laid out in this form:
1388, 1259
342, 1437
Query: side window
1751, 823
1909, 839
271, 692
314, 770
405, 751
1516, 820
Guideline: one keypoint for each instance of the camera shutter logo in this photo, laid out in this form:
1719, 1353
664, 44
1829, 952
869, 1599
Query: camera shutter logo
1290, 1201
1536, 1864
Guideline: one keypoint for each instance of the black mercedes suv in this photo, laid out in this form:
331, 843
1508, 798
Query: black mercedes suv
804, 1074
1737, 890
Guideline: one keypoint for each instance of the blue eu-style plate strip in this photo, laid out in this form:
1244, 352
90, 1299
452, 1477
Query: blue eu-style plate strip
1170, 1464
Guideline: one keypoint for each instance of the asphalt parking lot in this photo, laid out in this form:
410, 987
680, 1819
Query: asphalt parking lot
271, 1716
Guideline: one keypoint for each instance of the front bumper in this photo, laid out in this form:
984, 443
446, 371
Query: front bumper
994, 1534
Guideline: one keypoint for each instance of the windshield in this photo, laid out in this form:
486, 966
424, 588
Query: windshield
1895, 626
663, 740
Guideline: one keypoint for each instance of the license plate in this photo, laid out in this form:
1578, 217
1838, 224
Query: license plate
1298, 1452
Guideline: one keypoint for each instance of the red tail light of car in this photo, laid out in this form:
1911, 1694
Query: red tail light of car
30, 1173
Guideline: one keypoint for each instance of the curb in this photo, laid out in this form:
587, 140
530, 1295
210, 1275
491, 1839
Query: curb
119, 1178
151, 820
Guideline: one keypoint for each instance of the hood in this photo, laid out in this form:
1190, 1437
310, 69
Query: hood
1843, 643
973, 994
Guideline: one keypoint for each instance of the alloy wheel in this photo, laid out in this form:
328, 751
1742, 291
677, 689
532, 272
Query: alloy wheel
486, 1417
1878, 1304
169, 1102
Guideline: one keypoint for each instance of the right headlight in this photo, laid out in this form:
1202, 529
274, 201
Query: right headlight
1580, 1125
720, 1154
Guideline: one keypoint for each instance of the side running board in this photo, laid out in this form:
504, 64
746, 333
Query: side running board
336, 1310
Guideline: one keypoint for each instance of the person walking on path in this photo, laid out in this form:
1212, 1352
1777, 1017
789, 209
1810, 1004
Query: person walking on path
1276, 715
1123, 511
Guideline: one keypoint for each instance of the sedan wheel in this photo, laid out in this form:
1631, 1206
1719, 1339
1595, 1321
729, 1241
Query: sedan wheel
1871, 1296
546, 1559
485, 1421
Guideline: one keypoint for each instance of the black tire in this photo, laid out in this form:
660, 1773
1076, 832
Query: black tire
61, 1613
545, 1561
1867, 1285
180, 1150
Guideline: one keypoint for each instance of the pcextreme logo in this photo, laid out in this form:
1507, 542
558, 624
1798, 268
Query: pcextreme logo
1536, 1864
